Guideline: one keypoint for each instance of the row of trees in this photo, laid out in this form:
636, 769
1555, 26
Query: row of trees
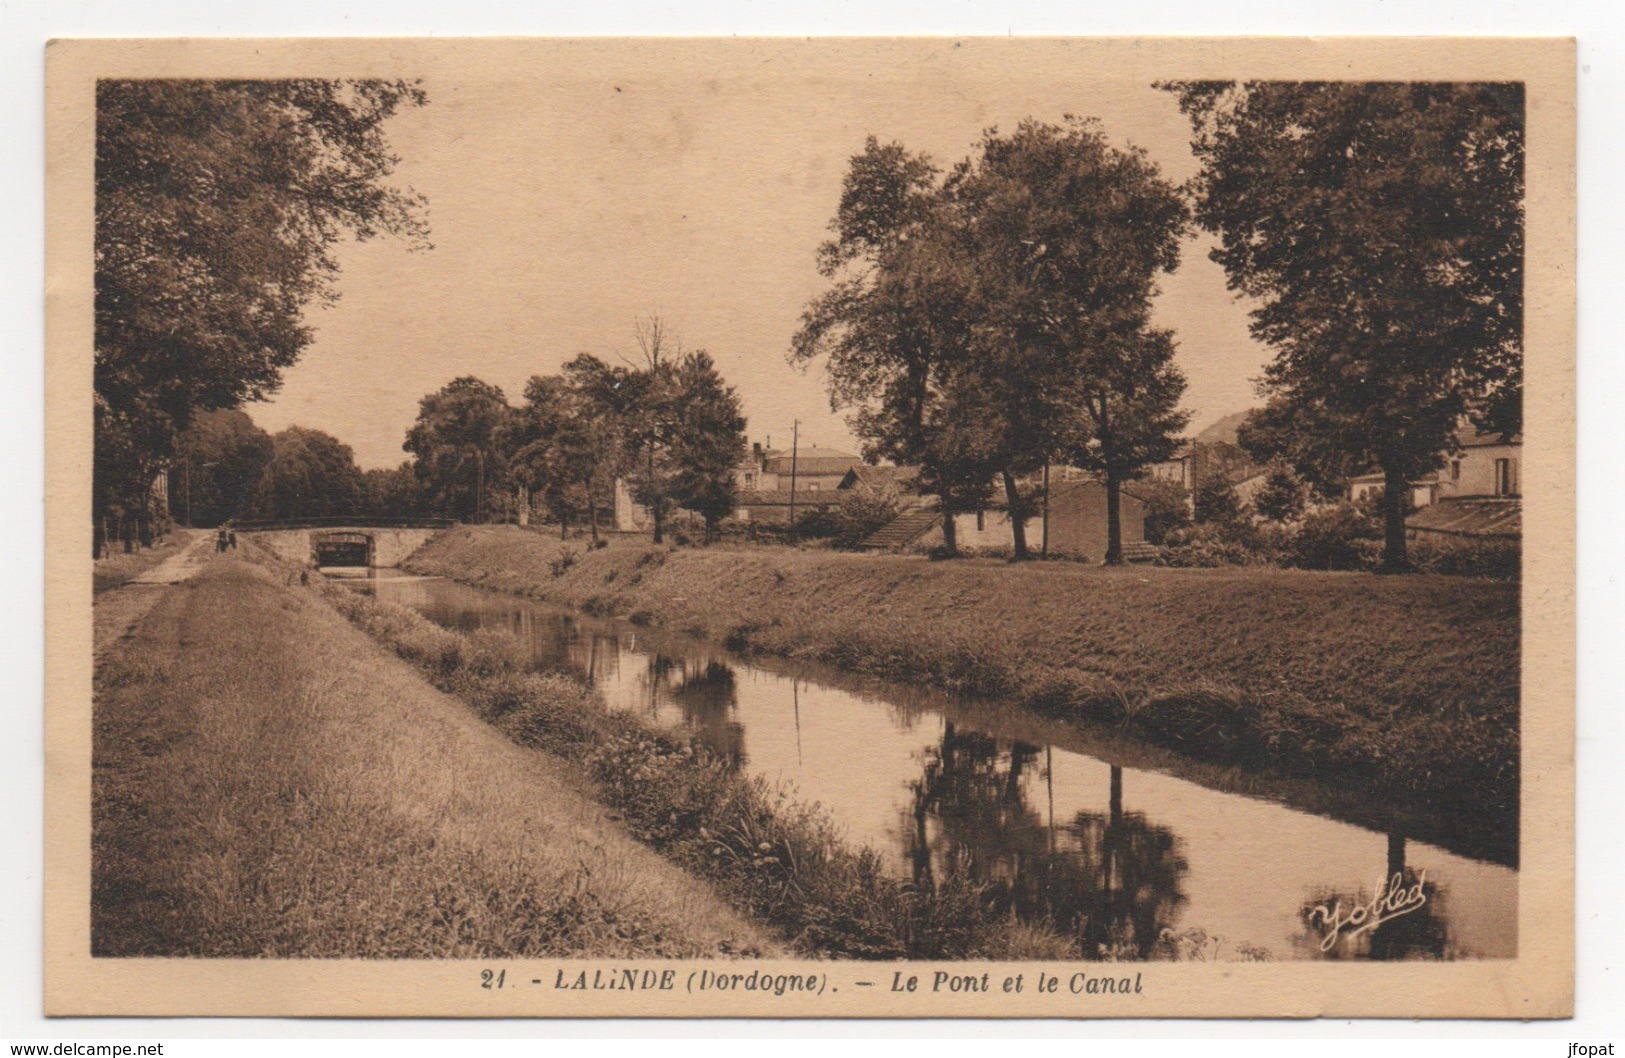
219, 205
666, 423
668, 426
984, 321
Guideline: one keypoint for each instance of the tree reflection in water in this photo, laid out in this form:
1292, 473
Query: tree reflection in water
1422, 933
1113, 881
707, 695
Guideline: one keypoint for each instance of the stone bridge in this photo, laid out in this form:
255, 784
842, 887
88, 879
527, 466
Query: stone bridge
358, 543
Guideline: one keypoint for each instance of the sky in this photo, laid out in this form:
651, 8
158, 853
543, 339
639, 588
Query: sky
569, 198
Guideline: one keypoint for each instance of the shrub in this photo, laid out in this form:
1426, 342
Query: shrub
1205, 546
1216, 502
1283, 495
561, 564
1167, 507
1497, 559
1335, 537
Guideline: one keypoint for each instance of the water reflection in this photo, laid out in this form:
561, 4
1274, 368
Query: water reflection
1411, 921
707, 695
1059, 831
1111, 879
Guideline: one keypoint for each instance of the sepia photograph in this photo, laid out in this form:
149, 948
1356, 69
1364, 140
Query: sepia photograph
573, 513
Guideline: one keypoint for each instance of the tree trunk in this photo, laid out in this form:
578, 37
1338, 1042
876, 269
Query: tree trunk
1114, 520
592, 519
1395, 489
950, 539
1044, 547
654, 499
1018, 516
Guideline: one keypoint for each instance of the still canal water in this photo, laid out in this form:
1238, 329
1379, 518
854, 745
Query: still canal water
1090, 839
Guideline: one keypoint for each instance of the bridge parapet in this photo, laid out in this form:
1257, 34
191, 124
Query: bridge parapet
341, 542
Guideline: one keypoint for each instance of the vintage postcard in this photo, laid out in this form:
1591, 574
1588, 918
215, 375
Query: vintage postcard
1030, 528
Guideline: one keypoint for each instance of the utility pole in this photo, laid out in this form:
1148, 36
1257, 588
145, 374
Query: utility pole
795, 440
479, 492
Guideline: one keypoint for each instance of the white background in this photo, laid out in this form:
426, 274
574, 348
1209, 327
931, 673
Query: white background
24, 28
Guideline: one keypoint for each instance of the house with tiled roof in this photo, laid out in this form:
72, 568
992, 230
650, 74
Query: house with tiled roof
764, 481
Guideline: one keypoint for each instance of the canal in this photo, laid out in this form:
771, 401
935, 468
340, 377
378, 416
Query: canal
1103, 839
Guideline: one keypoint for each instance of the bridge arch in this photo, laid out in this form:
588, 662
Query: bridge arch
343, 547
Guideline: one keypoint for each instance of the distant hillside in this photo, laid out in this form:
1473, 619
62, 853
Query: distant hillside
1223, 430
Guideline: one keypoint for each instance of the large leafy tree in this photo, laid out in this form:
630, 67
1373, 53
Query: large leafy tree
551, 457
1066, 235
460, 441
1379, 229
895, 330
219, 461
1130, 398
707, 442
219, 205
311, 475
601, 398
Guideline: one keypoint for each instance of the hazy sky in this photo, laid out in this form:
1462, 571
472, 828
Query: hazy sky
570, 198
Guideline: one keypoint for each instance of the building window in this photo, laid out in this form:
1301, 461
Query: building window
981, 523
1455, 470
812, 487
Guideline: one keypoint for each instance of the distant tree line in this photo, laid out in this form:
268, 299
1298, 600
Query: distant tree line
226, 468
666, 424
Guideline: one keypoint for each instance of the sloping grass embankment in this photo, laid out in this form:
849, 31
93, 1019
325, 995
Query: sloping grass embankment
1408, 686
268, 782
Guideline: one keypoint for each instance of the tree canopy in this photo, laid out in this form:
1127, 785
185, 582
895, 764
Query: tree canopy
311, 475
985, 322
220, 457
219, 205
461, 441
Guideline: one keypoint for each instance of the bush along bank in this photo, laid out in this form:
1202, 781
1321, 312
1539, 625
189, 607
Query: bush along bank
778, 861
1405, 688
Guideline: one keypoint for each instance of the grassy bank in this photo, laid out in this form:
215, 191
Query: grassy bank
1406, 685
268, 782
780, 862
